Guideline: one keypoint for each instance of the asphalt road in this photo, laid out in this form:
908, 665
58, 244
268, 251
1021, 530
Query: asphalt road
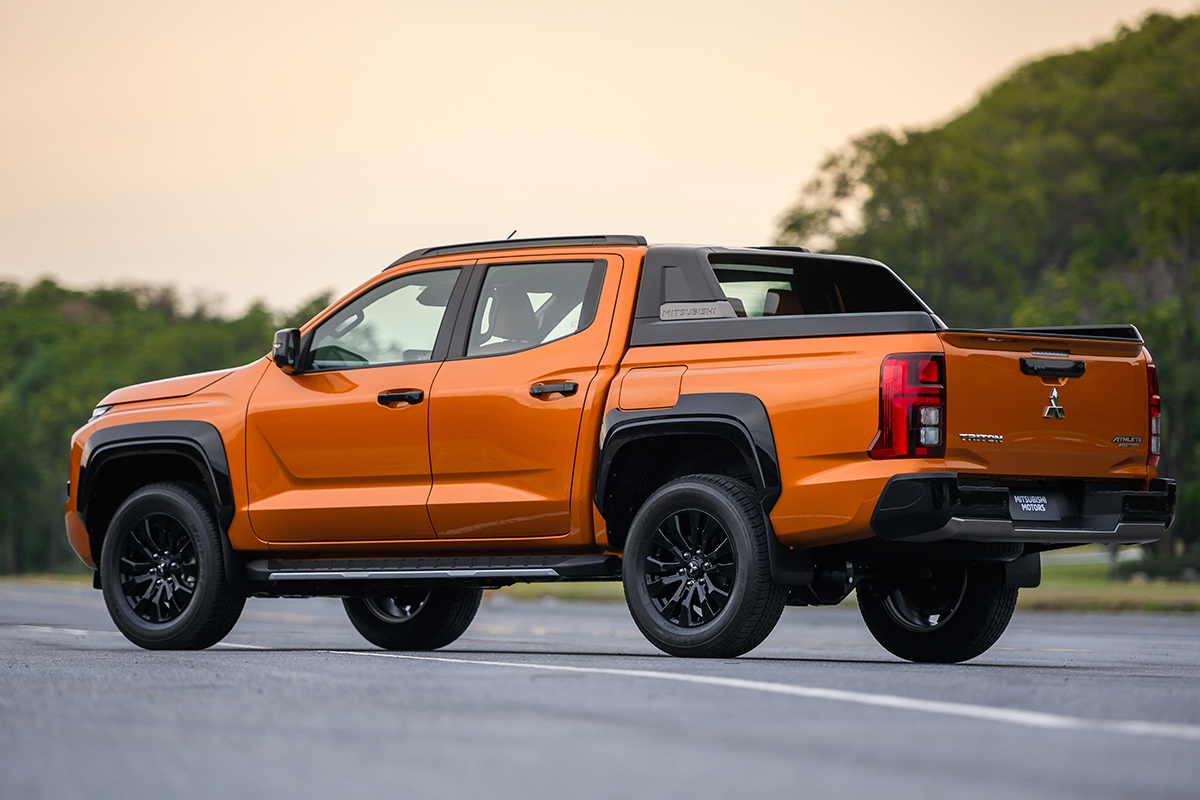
566, 700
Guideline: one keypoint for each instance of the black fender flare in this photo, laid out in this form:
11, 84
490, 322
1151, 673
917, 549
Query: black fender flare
740, 419
198, 442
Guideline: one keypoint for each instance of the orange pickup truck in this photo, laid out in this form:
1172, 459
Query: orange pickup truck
727, 431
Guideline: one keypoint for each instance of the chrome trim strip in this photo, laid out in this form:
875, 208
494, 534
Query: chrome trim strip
386, 574
1002, 530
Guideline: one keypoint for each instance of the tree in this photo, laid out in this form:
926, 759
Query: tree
1067, 194
1170, 242
64, 350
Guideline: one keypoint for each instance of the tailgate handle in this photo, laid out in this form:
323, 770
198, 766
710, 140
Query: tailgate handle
1052, 367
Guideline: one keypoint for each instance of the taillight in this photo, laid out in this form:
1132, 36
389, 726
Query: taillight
912, 407
1155, 417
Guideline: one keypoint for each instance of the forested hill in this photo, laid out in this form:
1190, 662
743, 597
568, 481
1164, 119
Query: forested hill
1070, 193
1045, 173
63, 351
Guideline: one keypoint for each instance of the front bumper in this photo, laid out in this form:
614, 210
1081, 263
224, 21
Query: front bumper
932, 507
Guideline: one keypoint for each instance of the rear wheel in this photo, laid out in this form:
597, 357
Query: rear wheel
696, 571
163, 570
944, 614
414, 619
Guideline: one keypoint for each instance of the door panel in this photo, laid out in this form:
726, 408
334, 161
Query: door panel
328, 462
340, 451
502, 456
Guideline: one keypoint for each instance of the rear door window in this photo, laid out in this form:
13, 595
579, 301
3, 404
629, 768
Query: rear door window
522, 306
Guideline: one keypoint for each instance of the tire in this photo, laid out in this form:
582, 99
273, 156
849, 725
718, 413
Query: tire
951, 613
415, 619
696, 572
163, 570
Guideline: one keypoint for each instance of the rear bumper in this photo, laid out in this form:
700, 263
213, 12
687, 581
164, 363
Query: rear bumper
931, 507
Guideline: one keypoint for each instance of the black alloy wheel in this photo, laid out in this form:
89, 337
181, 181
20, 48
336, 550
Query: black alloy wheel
162, 569
943, 614
690, 568
927, 605
398, 608
696, 569
157, 568
416, 618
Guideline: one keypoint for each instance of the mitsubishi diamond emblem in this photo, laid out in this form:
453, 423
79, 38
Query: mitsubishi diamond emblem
1054, 410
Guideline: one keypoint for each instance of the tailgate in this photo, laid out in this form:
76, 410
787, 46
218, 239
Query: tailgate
1039, 406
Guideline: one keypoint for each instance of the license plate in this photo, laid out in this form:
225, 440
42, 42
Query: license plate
1024, 505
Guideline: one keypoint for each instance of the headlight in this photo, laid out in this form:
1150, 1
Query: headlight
100, 411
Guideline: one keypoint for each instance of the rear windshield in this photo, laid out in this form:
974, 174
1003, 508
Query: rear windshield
811, 286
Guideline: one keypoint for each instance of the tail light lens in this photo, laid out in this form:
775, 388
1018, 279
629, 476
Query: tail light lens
912, 407
1155, 417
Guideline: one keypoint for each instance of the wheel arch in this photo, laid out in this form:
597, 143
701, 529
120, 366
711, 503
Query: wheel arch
119, 460
720, 433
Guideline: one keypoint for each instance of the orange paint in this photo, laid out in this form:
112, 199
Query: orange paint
651, 387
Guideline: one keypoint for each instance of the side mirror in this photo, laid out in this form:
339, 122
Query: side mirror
286, 350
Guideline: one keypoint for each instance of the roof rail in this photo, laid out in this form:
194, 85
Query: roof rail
518, 244
786, 247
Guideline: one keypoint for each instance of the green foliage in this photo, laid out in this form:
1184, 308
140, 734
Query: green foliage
1173, 568
63, 351
1069, 194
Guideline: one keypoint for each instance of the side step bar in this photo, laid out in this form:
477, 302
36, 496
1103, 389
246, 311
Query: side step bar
498, 570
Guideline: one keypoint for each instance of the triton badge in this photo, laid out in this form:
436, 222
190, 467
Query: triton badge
1054, 410
994, 438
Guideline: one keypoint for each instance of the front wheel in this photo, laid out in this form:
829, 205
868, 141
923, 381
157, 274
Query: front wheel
943, 614
696, 569
414, 619
163, 570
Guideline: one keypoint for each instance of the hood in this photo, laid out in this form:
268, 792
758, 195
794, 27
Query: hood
161, 390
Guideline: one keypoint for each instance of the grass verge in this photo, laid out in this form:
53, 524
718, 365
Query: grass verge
39, 577
1065, 587
1086, 587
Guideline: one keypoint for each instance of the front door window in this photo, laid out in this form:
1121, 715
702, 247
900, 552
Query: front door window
395, 323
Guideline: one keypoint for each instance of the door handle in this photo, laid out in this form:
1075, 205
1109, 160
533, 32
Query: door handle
410, 396
566, 389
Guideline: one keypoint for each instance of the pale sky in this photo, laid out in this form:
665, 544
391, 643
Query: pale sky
272, 149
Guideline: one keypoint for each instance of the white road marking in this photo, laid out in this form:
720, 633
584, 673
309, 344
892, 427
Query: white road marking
280, 616
1010, 716
48, 629
241, 646
78, 632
